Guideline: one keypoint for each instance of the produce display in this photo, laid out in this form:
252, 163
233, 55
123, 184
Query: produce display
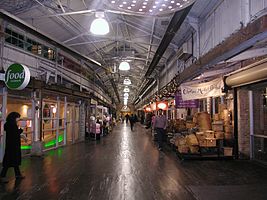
203, 132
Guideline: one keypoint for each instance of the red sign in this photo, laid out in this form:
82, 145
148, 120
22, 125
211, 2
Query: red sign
147, 109
154, 106
163, 105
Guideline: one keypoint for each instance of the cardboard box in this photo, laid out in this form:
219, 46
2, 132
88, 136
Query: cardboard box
183, 149
228, 128
200, 136
209, 134
228, 136
217, 127
194, 149
190, 125
211, 142
216, 117
180, 141
202, 143
191, 140
228, 151
219, 135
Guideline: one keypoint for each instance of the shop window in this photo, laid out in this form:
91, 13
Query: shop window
14, 38
260, 123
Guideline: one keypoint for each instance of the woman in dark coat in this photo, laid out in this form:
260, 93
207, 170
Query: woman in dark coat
12, 157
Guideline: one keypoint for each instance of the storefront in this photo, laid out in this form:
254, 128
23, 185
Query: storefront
49, 119
203, 126
249, 88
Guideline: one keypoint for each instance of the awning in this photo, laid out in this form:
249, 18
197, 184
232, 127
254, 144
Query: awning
250, 74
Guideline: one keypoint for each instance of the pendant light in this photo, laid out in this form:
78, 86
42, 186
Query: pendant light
124, 66
126, 89
127, 81
100, 25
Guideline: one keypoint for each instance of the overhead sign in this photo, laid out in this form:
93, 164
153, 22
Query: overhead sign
17, 76
202, 90
162, 105
179, 103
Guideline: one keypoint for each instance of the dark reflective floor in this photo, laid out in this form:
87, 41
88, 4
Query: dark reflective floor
127, 166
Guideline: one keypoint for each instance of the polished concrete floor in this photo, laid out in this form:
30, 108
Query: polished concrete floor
126, 165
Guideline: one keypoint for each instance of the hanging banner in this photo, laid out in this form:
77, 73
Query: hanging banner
179, 103
202, 90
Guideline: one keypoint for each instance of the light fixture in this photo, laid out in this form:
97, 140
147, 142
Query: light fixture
54, 110
126, 89
124, 66
99, 26
127, 81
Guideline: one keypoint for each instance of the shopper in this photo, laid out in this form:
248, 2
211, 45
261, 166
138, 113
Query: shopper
160, 125
132, 121
12, 157
127, 117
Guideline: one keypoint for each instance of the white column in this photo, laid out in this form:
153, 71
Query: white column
65, 120
57, 120
37, 145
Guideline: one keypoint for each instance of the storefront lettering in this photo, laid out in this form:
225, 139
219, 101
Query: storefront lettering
17, 77
204, 90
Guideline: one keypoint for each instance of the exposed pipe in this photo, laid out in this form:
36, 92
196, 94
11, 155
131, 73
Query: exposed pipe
173, 27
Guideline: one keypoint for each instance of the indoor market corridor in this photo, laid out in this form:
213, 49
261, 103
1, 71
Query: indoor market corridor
127, 165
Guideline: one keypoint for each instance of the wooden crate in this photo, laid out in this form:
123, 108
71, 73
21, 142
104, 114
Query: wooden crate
194, 149
228, 128
228, 136
202, 143
209, 134
211, 142
217, 127
216, 117
191, 140
219, 135
183, 149
228, 151
200, 136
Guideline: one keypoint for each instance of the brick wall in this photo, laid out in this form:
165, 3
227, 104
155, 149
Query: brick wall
243, 123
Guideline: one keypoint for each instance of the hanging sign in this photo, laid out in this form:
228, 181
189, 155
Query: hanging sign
17, 76
163, 105
179, 103
202, 90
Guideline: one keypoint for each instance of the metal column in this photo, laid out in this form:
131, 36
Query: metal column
251, 124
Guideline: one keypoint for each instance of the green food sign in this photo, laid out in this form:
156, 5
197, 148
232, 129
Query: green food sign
17, 76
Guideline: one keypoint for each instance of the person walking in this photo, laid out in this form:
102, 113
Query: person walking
132, 121
127, 117
12, 157
160, 125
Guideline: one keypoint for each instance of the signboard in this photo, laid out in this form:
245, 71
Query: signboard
148, 109
179, 103
202, 90
17, 76
153, 106
163, 105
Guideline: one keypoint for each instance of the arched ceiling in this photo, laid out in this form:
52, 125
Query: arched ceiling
134, 36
